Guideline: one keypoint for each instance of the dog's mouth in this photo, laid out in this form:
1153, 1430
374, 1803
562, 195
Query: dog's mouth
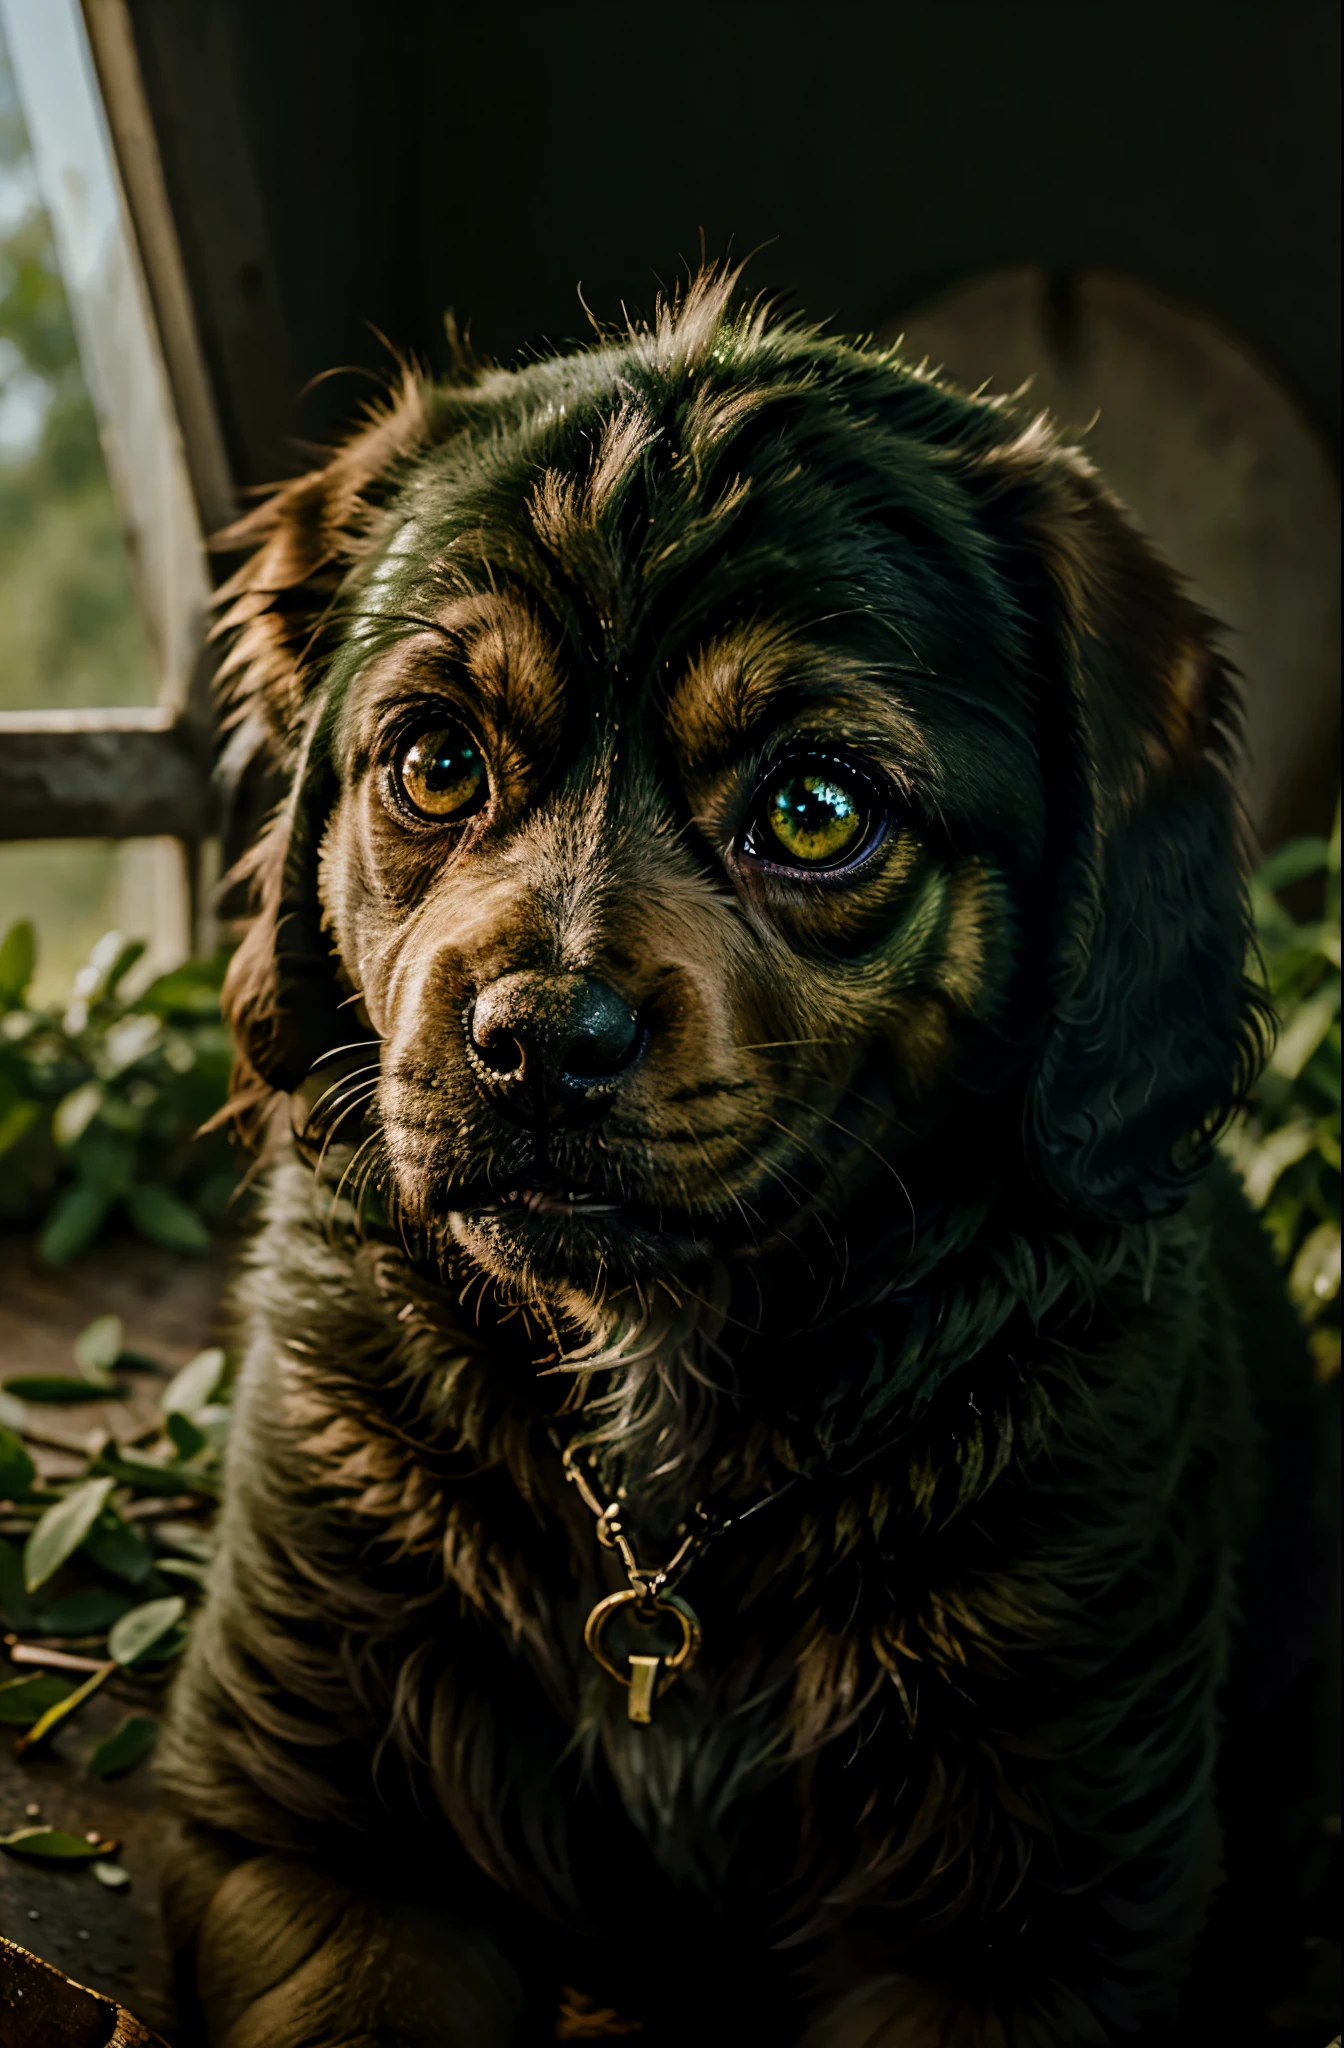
537, 1200
554, 1228
579, 1203
553, 1215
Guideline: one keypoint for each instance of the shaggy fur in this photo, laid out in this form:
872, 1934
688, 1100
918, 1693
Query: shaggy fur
904, 1229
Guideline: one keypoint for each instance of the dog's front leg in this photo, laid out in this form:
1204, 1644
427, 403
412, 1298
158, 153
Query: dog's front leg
283, 1955
1087, 1973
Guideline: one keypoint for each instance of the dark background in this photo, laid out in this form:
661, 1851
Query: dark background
340, 164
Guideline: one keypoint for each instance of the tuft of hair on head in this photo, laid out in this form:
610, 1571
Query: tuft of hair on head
687, 325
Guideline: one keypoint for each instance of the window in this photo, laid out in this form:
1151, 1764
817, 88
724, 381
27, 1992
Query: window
110, 468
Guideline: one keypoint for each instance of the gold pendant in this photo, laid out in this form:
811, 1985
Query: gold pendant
643, 1688
648, 1677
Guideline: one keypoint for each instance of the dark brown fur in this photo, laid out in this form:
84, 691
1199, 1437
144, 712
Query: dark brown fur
911, 1230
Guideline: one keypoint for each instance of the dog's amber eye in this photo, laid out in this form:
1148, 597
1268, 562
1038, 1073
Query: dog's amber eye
442, 774
817, 814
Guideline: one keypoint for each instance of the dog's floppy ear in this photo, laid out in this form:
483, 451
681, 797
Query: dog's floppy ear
1153, 1032
281, 994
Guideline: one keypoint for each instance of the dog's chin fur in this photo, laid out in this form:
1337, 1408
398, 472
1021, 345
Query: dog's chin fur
889, 1225
636, 1322
637, 1349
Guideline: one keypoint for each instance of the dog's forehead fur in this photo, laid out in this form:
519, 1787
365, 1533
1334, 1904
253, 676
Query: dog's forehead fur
711, 540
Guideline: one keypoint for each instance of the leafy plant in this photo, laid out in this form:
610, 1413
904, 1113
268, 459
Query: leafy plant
1287, 1146
103, 1562
100, 1101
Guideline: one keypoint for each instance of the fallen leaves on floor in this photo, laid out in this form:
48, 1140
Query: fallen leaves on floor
101, 1567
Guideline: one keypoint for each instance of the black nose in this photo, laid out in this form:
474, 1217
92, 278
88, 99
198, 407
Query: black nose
552, 1046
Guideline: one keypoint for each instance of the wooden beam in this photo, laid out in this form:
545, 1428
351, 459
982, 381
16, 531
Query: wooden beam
136, 148
103, 775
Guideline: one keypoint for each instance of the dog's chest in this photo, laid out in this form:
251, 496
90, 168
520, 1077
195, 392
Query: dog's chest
704, 1765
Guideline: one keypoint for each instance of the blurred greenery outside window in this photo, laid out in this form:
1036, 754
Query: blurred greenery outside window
71, 633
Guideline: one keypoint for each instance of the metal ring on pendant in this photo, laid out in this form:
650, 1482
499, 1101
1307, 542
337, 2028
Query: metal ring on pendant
682, 1658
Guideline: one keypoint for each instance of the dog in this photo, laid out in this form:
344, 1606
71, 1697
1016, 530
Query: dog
747, 1491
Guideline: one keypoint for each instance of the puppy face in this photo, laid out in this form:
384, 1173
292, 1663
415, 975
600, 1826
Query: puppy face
705, 749
657, 966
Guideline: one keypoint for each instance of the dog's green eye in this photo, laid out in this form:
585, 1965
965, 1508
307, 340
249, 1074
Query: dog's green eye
817, 815
442, 774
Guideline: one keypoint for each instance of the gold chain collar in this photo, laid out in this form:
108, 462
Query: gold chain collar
651, 1594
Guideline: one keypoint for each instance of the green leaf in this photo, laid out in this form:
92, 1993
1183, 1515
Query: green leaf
62, 1529
75, 1112
110, 961
150, 1477
192, 989
215, 1421
25, 1700
132, 1360
59, 1389
185, 1538
158, 1215
1317, 942
18, 958
15, 1606
1322, 1069
16, 1123
1323, 1344
1293, 861
1273, 1156
167, 1648
104, 1162
1315, 1275
127, 1747
143, 1627
51, 1845
188, 1441
113, 1875
133, 951
196, 1384
1272, 922
16, 1467
118, 1548
98, 1346
179, 1568
73, 1223
128, 1042
85, 1613
1305, 1029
